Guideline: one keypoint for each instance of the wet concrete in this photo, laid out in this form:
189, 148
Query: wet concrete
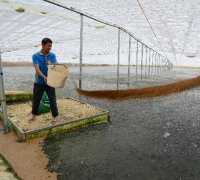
157, 139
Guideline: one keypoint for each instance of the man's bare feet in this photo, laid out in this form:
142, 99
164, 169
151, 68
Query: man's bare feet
31, 117
56, 120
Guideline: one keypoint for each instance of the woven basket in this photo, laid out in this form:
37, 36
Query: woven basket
57, 75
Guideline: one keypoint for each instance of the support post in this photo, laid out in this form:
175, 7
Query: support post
152, 65
136, 63
3, 98
141, 65
118, 58
160, 64
81, 52
129, 59
156, 64
146, 61
149, 66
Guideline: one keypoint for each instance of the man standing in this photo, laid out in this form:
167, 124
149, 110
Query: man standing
40, 61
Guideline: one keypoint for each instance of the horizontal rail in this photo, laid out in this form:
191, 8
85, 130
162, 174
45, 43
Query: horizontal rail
103, 22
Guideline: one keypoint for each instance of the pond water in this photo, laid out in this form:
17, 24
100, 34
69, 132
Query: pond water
154, 138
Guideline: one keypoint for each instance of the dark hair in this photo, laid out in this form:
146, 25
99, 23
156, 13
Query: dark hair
46, 40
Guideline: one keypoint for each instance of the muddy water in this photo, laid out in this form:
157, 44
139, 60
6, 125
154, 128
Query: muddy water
147, 139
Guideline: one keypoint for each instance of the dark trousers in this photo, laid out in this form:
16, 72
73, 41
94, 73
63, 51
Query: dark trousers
38, 91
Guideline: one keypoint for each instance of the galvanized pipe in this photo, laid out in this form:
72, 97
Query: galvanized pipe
146, 61
129, 59
160, 63
136, 68
3, 97
155, 69
141, 65
152, 65
158, 67
149, 64
163, 64
157, 63
118, 58
81, 51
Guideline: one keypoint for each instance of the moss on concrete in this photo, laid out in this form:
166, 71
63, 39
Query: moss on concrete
17, 96
62, 128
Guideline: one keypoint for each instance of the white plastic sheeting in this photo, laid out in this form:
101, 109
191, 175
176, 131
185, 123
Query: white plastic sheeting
176, 24
22, 32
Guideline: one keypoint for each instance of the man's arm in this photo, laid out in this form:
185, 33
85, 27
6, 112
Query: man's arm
37, 69
38, 72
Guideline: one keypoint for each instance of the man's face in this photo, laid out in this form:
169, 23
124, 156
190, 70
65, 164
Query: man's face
47, 47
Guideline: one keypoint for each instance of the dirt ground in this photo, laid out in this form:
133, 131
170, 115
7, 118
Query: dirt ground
27, 159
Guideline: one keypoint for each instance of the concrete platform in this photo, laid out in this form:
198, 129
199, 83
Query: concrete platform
73, 114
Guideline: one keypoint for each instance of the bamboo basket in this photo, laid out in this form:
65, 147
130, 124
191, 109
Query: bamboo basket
57, 75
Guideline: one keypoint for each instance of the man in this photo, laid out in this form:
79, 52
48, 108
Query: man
40, 61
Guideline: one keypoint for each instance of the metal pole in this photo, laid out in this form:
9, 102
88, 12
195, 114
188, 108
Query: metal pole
3, 98
152, 65
160, 61
146, 62
136, 68
141, 66
81, 51
118, 58
129, 60
149, 62
155, 64
164, 65
159, 64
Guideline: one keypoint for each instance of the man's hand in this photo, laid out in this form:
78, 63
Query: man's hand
45, 78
